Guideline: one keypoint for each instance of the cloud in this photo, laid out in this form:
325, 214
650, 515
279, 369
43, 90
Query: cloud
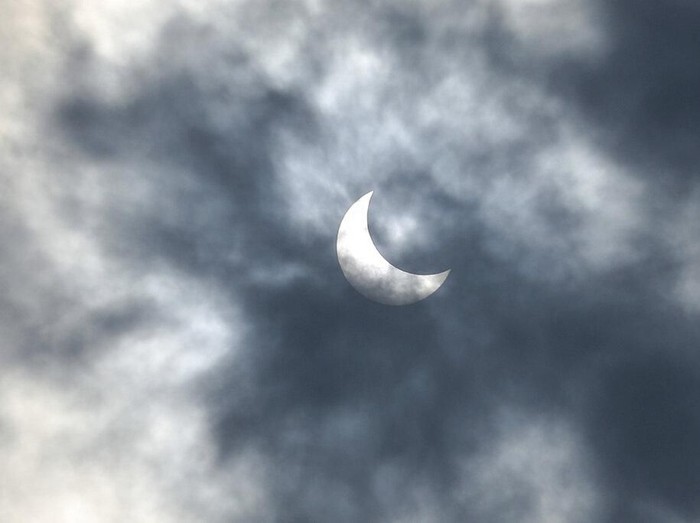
533, 470
180, 344
91, 452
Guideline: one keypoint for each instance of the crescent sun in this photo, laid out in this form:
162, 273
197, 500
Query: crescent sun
366, 269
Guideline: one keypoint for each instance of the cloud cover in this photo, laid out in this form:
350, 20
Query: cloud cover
180, 344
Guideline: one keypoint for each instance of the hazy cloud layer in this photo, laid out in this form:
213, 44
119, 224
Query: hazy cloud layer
180, 343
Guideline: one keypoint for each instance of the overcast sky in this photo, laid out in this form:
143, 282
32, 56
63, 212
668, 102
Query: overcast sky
178, 341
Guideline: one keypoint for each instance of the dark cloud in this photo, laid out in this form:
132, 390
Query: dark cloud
642, 94
647, 429
544, 381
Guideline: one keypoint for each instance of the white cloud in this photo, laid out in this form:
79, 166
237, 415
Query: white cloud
113, 429
682, 241
115, 449
554, 28
480, 135
533, 470
116, 432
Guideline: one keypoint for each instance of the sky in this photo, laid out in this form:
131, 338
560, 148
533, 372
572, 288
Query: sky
179, 343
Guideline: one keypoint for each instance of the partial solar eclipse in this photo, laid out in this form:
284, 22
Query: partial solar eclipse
367, 270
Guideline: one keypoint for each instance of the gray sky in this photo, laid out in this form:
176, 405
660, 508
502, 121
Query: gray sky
180, 345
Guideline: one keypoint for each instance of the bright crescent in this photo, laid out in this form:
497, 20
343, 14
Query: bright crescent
367, 270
